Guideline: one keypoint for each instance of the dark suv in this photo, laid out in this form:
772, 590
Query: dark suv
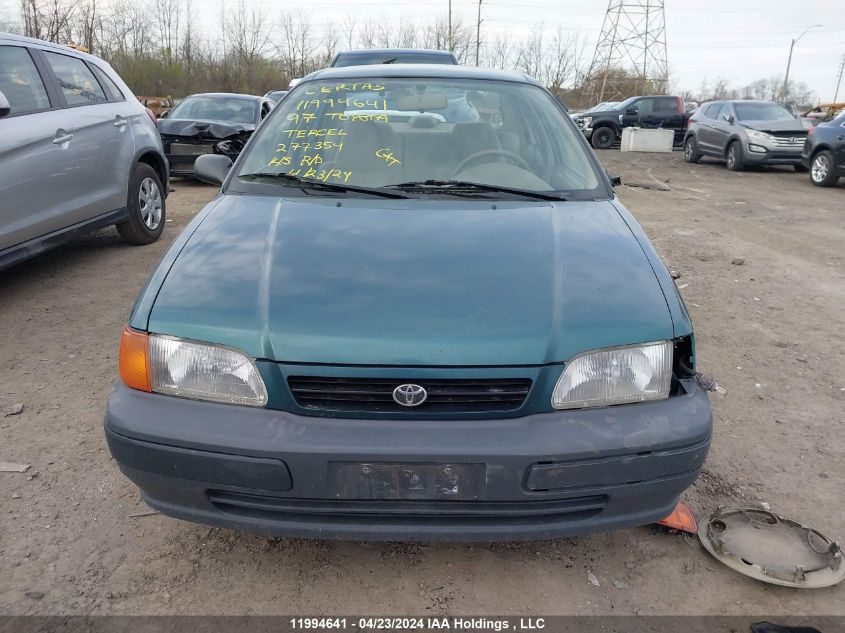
745, 133
824, 152
604, 127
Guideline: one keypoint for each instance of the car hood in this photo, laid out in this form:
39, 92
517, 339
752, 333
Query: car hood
411, 282
203, 129
776, 126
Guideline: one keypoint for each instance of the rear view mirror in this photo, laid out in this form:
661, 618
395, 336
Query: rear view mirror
423, 102
164, 114
5, 107
615, 181
212, 168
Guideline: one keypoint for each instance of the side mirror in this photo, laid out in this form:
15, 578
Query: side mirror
731, 120
5, 107
615, 181
212, 168
164, 114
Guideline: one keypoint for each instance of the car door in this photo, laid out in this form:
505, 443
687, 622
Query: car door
668, 114
36, 152
707, 136
104, 147
636, 114
839, 140
723, 128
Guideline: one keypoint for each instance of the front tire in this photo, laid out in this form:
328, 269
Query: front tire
823, 169
736, 161
691, 155
146, 207
603, 137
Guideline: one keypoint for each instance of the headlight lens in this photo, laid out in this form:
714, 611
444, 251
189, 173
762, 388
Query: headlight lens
587, 121
204, 371
758, 134
615, 376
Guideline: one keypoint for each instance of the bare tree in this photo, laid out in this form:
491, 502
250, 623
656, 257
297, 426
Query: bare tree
529, 55
297, 48
168, 15
247, 34
348, 27
499, 53
562, 60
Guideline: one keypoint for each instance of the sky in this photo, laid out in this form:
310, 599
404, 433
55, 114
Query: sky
740, 40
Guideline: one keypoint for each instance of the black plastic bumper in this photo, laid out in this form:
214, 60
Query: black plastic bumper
544, 476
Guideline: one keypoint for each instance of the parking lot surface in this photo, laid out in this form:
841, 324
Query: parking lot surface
762, 269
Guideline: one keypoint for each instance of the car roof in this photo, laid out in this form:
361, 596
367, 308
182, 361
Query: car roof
226, 94
398, 51
65, 50
429, 71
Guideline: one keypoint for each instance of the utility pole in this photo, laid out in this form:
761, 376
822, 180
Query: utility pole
450, 26
839, 81
478, 34
789, 62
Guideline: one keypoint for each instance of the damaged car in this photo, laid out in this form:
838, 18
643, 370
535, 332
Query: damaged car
211, 123
397, 324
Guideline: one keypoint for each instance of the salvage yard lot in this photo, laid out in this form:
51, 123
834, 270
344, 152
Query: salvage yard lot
763, 273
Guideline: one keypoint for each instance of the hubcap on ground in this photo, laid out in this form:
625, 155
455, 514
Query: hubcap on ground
149, 201
821, 167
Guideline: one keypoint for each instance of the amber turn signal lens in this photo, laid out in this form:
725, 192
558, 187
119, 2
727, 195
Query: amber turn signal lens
134, 368
682, 518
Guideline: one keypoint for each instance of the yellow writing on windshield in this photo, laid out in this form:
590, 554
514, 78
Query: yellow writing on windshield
344, 87
322, 174
387, 155
332, 131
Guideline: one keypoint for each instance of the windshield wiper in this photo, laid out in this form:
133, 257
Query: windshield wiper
390, 61
311, 183
446, 185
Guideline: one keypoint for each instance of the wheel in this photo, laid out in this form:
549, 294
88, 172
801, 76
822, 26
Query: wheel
823, 169
690, 153
800, 168
603, 137
145, 205
736, 161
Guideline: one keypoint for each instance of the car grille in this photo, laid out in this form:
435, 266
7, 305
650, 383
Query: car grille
789, 139
376, 394
409, 512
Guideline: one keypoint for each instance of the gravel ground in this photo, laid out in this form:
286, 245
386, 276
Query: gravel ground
770, 329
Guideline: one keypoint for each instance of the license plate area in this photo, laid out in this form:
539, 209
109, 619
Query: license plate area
190, 149
429, 482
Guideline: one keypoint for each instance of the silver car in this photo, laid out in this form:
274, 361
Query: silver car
78, 152
744, 133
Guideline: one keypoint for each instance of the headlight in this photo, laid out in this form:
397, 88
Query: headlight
758, 135
587, 121
615, 376
204, 371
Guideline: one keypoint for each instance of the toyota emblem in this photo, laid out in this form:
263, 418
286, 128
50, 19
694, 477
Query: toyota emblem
409, 395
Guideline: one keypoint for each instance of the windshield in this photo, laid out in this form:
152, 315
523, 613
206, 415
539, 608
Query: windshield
228, 109
383, 133
762, 112
370, 59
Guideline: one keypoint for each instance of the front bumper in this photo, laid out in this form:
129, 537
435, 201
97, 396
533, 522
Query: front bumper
764, 153
544, 476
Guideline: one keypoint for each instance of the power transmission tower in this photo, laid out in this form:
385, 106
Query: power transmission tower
630, 56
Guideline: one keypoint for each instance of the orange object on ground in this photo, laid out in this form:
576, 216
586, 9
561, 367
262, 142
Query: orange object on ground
682, 518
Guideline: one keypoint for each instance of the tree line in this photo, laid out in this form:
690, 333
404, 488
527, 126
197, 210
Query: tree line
158, 50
